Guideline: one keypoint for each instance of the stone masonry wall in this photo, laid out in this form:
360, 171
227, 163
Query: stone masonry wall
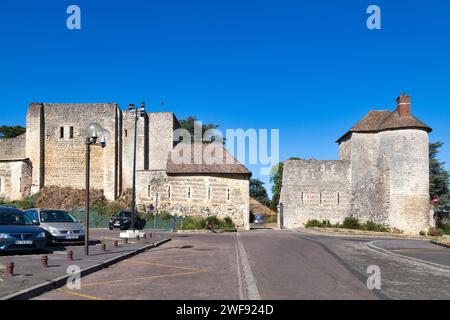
314, 189
15, 179
14, 148
64, 148
405, 154
370, 183
187, 195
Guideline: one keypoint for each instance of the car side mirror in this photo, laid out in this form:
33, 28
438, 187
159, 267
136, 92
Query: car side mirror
36, 223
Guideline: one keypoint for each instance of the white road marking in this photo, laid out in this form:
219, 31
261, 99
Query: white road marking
251, 289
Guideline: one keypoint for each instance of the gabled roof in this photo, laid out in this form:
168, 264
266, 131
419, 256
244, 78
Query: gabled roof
230, 166
380, 120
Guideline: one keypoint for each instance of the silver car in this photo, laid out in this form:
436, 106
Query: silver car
59, 225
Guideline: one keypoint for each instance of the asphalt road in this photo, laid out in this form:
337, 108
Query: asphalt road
262, 265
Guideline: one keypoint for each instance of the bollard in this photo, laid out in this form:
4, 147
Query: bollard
151, 234
10, 269
116, 244
44, 261
104, 247
125, 240
145, 236
138, 237
70, 255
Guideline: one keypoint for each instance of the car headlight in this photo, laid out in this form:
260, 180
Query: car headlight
41, 235
5, 236
53, 230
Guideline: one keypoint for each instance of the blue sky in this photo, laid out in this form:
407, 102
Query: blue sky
309, 68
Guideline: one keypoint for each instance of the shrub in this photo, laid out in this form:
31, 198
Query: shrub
445, 229
164, 215
351, 223
193, 223
372, 226
422, 233
201, 223
271, 219
314, 223
434, 232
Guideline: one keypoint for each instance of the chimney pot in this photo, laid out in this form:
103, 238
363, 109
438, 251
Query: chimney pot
404, 105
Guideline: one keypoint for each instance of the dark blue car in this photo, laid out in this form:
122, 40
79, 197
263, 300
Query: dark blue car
17, 232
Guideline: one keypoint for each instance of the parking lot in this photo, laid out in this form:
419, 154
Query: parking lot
29, 270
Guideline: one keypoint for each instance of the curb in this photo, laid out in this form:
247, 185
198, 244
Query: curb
392, 254
59, 282
440, 244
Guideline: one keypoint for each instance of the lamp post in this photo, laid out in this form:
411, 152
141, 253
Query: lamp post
138, 113
96, 135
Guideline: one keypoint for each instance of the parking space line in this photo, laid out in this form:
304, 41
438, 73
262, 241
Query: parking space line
78, 294
165, 265
142, 278
420, 251
176, 256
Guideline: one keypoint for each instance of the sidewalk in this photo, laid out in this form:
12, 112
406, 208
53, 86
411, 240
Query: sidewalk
29, 274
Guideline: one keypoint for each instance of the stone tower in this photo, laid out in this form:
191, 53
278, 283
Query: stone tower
382, 175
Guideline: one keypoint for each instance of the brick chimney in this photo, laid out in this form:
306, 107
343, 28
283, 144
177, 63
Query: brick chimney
404, 105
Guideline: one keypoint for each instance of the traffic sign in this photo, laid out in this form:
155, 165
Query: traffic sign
436, 200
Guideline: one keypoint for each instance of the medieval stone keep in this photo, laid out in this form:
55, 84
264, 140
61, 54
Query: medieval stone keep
382, 175
52, 153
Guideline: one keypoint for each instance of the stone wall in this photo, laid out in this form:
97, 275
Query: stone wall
187, 195
370, 182
14, 148
15, 179
160, 138
405, 154
55, 145
314, 189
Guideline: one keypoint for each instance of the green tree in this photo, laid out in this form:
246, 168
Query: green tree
190, 124
11, 131
439, 176
276, 179
259, 192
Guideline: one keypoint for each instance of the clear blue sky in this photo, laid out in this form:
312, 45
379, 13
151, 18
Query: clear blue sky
310, 68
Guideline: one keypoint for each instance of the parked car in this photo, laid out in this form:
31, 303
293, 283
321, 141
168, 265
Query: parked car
259, 218
17, 231
122, 220
60, 225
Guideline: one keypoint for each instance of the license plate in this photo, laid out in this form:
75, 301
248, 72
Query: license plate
71, 237
24, 242
117, 224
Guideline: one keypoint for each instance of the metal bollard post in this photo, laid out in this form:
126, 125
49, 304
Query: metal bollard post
44, 261
10, 269
116, 244
104, 247
145, 236
138, 237
151, 235
125, 240
70, 255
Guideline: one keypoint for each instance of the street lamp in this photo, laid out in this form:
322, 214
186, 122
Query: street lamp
138, 113
95, 135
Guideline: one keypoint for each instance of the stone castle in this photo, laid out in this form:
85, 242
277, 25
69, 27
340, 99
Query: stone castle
52, 153
382, 175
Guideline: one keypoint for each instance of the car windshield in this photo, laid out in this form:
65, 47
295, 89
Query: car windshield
14, 218
56, 216
122, 214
